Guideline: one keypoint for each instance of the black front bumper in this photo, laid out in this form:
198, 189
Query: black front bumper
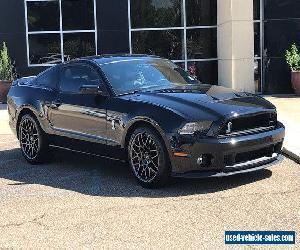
248, 167
230, 156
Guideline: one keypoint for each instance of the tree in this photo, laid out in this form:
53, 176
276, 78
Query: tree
7, 69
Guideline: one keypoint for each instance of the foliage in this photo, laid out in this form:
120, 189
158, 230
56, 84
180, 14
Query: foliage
292, 57
7, 69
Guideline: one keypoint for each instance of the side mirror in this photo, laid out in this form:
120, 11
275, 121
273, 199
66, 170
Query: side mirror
91, 90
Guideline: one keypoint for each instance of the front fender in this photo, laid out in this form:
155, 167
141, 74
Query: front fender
36, 109
140, 119
166, 137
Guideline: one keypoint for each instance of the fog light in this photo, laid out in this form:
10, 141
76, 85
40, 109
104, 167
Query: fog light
204, 160
200, 160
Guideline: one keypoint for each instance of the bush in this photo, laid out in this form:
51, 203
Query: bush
7, 69
292, 57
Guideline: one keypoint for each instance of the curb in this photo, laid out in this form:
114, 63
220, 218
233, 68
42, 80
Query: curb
291, 155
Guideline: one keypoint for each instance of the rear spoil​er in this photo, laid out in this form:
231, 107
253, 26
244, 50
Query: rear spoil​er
148, 111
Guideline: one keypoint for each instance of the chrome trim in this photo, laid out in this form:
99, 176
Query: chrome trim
248, 131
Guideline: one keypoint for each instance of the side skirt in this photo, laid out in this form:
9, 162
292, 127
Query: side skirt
88, 148
86, 153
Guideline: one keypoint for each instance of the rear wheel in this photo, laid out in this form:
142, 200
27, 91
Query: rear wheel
148, 158
33, 141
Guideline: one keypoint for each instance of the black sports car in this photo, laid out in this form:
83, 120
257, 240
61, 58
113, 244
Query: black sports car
146, 110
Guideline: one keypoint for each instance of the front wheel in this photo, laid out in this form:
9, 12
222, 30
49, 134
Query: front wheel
148, 158
33, 141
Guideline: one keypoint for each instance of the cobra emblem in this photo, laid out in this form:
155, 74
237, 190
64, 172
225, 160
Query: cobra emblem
113, 125
229, 128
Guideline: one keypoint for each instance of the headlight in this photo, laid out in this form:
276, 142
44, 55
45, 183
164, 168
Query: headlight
193, 127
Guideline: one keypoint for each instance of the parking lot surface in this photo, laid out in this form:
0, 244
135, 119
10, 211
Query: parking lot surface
82, 202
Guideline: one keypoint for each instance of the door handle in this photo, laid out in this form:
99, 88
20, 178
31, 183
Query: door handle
55, 105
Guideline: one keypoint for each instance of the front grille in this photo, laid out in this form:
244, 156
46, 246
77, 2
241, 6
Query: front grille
233, 159
252, 155
249, 124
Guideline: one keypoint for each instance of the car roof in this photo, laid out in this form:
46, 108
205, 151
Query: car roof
110, 58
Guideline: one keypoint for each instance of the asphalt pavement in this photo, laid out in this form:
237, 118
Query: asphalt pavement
289, 114
79, 202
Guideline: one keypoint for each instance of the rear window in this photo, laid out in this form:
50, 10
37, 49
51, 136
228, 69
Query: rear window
47, 79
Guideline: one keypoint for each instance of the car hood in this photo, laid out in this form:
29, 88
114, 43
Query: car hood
214, 101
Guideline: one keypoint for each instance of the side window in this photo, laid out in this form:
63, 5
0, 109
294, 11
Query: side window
74, 77
47, 79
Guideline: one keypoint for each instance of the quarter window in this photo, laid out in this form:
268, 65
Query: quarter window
60, 30
74, 77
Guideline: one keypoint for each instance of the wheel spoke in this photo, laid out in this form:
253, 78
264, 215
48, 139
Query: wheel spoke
32, 151
25, 143
144, 155
35, 147
154, 167
135, 150
149, 172
29, 138
136, 157
155, 156
148, 139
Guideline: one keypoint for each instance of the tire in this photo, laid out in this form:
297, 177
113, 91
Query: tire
33, 140
148, 158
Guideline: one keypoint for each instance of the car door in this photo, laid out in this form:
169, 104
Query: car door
76, 114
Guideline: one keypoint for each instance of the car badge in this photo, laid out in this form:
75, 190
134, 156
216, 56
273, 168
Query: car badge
229, 128
113, 125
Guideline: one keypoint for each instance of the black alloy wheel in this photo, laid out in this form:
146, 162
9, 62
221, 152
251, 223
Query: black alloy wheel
148, 158
33, 142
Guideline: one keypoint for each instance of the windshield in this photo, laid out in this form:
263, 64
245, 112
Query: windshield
145, 74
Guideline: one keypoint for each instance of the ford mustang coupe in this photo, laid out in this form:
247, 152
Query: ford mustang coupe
148, 111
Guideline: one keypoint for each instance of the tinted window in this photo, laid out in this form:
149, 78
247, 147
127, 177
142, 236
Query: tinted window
180, 30
256, 9
43, 16
153, 13
167, 43
201, 12
44, 49
281, 9
79, 45
47, 79
59, 30
201, 43
74, 77
257, 39
78, 14
206, 72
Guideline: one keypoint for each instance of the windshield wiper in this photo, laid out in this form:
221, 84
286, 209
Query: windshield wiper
141, 90
148, 89
130, 92
167, 89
